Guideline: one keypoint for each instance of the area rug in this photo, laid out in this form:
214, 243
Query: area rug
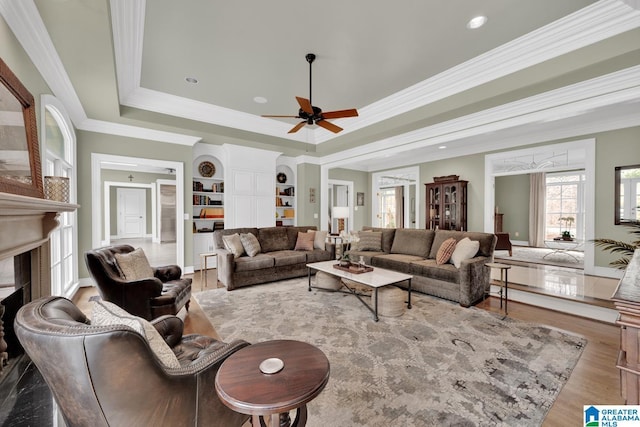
437, 364
527, 255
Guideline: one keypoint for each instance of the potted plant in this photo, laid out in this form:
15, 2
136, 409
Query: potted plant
568, 220
624, 248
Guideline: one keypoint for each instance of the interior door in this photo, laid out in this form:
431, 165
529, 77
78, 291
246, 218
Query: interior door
132, 212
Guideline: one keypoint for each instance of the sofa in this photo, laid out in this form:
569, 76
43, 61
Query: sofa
414, 252
276, 259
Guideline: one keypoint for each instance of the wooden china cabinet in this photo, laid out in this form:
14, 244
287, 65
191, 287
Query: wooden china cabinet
446, 203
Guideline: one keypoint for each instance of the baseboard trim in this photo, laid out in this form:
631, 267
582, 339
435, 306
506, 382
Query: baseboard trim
562, 305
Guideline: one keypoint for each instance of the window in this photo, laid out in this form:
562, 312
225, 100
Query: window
564, 207
630, 194
387, 205
59, 148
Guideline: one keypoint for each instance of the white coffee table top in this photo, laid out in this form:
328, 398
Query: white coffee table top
377, 278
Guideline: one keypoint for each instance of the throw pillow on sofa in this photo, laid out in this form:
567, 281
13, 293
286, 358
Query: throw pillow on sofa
233, 244
134, 265
305, 241
250, 244
369, 241
320, 239
445, 251
465, 249
105, 313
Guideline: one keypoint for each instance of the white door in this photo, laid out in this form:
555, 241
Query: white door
132, 212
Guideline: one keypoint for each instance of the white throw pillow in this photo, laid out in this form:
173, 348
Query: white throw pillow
320, 239
465, 249
233, 244
134, 265
105, 313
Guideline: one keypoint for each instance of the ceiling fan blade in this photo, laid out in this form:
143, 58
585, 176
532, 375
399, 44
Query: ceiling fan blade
340, 113
289, 117
297, 127
329, 126
305, 104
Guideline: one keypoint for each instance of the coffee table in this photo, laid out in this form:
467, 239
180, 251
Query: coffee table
244, 388
375, 279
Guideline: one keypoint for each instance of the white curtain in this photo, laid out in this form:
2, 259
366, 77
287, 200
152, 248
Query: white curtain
399, 206
537, 198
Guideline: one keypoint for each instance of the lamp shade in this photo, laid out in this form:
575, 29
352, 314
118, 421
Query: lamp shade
340, 212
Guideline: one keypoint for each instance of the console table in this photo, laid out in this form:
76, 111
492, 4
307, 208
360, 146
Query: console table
627, 301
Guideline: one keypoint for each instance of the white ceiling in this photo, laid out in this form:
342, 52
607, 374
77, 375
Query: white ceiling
419, 78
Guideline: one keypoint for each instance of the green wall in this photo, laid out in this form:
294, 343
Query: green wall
308, 177
361, 184
138, 178
468, 168
91, 142
512, 200
615, 148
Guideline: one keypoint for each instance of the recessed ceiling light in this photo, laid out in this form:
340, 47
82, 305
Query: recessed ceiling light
260, 99
476, 22
191, 80
442, 147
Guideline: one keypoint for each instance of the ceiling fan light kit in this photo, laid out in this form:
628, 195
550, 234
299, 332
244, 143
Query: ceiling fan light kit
311, 114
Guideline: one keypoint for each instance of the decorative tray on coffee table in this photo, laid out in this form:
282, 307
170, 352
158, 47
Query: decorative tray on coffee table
354, 268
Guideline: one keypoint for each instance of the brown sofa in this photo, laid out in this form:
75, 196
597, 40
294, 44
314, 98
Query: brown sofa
413, 251
277, 259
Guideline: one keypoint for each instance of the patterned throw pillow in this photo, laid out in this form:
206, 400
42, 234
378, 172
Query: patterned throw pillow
105, 313
233, 244
305, 241
369, 241
250, 244
465, 249
445, 251
134, 265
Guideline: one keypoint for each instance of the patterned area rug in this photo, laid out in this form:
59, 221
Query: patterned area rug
437, 364
522, 254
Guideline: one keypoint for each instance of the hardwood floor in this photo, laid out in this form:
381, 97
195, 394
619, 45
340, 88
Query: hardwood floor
595, 379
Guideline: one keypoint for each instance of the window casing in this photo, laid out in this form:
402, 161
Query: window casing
565, 199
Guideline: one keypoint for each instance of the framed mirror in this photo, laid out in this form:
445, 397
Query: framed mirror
20, 170
627, 194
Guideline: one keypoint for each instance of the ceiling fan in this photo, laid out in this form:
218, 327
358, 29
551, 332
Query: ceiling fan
314, 115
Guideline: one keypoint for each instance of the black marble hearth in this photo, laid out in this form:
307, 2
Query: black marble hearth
29, 402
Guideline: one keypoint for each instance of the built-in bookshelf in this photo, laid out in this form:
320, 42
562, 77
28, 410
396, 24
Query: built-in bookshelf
208, 204
285, 197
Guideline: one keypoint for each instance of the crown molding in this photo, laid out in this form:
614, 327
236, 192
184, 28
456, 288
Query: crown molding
112, 128
603, 19
615, 88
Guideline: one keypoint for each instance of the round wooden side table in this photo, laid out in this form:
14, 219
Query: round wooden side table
244, 388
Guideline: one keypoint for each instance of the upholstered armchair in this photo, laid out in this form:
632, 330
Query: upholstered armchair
109, 376
161, 291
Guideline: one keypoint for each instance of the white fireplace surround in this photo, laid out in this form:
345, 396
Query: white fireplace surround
25, 225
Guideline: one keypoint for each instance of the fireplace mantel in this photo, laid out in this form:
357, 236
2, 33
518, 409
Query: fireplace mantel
25, 222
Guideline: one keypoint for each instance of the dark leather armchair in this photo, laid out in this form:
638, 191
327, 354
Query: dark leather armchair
166, 293
108, 375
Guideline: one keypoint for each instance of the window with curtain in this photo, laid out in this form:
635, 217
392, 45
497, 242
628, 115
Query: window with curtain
564, 204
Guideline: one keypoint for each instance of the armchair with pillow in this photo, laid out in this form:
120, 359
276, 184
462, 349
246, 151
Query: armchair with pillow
120, 370
124, 277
